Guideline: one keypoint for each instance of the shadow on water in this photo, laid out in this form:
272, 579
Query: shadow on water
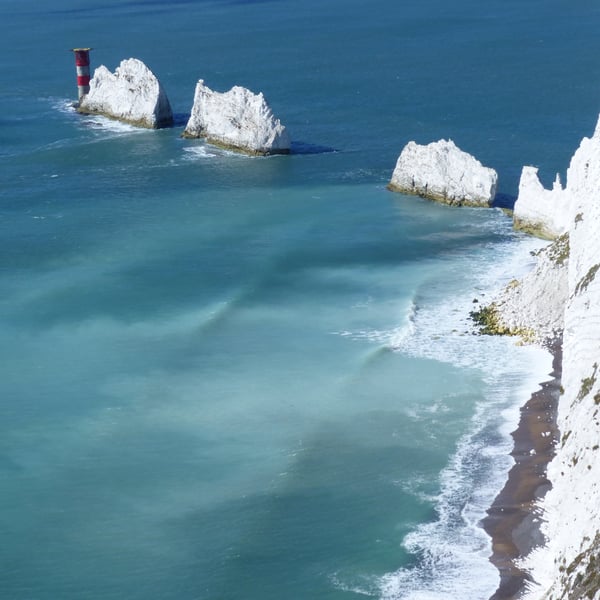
504, 201
297, 147
180, 119
308, 148
292, 526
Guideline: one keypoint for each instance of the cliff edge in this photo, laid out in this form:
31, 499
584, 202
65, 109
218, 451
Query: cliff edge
563, 295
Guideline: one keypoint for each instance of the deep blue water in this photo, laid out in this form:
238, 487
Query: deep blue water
233, 378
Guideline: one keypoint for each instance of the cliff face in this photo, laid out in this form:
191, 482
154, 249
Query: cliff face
441, 171
543, 212
131, 94
568, 566
533, 308
237, 119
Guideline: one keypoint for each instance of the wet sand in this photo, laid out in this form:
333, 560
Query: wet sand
512, 521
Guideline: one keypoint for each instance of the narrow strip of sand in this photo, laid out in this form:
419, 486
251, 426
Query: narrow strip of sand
512, 521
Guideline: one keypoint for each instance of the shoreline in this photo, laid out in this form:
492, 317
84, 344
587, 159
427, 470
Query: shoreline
512, 521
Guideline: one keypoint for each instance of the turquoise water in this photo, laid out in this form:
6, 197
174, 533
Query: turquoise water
227, 377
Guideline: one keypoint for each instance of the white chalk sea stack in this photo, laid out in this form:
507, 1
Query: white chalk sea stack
548, 213
441, 171
541, 212
565, 286
131, 94
238, 119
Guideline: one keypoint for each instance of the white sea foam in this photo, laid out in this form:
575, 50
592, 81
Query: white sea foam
95, 122
196, 152
64, 105
437, 325
453, 551
365, 587
206, 151
98, 122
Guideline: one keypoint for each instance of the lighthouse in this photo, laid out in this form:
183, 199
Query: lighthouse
82, 64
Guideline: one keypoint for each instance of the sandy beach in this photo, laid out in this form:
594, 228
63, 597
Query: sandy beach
512, 521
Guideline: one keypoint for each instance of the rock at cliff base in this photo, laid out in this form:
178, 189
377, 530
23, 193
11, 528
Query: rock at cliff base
441, 171
238, 119
533, 307
131, 94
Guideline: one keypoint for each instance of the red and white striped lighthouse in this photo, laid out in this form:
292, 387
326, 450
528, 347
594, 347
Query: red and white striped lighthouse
82, 63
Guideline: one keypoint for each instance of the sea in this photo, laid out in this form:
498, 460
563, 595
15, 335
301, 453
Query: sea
226, 377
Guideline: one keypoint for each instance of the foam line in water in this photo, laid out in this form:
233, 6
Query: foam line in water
199, 152
98, 122
64, 106
452, 552
363, 586
204, 151
95, 122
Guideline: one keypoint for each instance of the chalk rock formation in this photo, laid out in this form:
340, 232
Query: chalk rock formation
541, 212
568, 565
533, 307
132, 94
548, 213
237, 119
441, 171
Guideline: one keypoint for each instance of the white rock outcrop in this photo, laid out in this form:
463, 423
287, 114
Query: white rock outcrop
568, 565
131, 94
237, 119
442, 172
548, 213
539, 211
534, 307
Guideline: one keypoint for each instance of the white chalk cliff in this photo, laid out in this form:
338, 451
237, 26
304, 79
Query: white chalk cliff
539, 211
534, 306
568, 565
442, 172
131, 94
237, 119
